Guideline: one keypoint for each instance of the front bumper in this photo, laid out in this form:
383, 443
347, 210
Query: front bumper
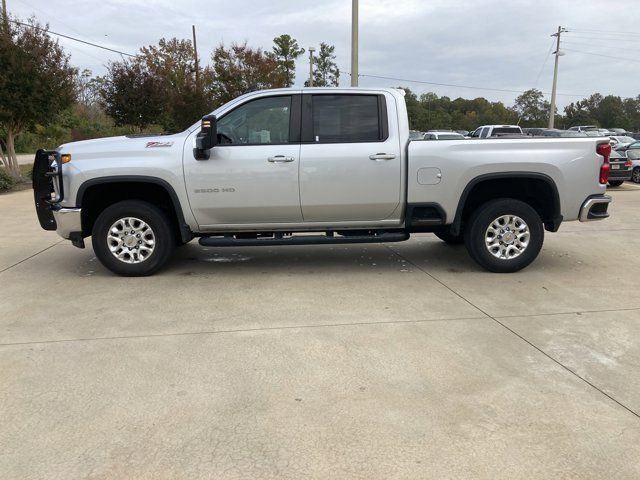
68, 221
595, 208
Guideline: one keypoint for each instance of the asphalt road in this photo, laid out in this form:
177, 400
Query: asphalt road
373, 361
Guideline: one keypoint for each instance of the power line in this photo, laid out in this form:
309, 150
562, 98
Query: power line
564, 42
48, 14
71, 38
602, 55
535, 84
462, 86
604, 32
606, 39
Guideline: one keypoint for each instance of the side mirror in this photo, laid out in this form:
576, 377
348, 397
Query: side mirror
207, 138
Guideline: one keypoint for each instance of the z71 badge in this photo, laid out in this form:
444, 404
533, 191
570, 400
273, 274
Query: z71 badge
158, 144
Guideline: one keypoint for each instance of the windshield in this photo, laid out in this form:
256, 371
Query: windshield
625, 139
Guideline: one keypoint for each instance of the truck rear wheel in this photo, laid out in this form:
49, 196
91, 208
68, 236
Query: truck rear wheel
133, 238
504, 235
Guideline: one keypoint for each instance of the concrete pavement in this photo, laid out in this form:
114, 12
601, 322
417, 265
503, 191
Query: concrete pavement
365, 361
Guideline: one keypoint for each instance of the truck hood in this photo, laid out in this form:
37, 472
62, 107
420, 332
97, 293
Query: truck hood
130, 146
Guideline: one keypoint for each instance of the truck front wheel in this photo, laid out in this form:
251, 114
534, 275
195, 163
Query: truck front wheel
504, 235
133, 238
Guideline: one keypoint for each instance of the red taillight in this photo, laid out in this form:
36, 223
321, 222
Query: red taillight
628, 163
604, 149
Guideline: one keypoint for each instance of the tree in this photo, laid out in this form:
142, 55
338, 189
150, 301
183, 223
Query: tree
172, 63
286, 50
131, 94
87, 88
325, 69
241, 69
157, 87
532, 108
36, 83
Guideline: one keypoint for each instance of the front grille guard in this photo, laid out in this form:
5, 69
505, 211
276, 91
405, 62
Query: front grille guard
47, 176
48, 188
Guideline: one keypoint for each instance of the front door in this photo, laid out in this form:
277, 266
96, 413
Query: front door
350, 159
251, 176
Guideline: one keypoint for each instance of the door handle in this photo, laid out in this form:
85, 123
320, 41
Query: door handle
280, 159
382, 156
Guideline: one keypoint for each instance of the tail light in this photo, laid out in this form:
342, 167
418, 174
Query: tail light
604, 149
628, 163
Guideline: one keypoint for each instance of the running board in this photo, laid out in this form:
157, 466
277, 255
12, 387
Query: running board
231, 241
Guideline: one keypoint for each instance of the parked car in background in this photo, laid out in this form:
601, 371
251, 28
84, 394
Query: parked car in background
533, 131
633, 154
554, 132
621, 141
442, 135
415, 135
623, 147
617, 131
620, 169
583, 128
487, 131
464, 133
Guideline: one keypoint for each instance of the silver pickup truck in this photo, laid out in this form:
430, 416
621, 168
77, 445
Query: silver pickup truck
315, 166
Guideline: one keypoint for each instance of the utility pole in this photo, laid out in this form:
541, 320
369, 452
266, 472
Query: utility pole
195, 55
5, 17
354, 43
552, 112
311, 50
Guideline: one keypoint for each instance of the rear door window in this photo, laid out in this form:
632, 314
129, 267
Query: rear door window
346, 118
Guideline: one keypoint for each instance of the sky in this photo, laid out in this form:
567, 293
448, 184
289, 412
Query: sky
487, 44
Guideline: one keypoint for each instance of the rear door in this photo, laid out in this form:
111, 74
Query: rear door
350, 158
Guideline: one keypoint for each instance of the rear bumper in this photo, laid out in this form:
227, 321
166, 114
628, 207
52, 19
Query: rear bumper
620, 175
595, 208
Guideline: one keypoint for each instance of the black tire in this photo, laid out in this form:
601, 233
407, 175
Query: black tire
635, 176
155, 218
446, 236
615, 183
483, 217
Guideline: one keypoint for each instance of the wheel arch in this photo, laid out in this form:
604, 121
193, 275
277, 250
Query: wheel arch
92, 200
525, 186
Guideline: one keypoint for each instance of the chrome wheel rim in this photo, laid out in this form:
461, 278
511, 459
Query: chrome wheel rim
131, 240
507, 237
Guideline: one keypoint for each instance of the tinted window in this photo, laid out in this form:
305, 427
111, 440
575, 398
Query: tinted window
261, 121
449, 136
485, 132
503, 130
346, 118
